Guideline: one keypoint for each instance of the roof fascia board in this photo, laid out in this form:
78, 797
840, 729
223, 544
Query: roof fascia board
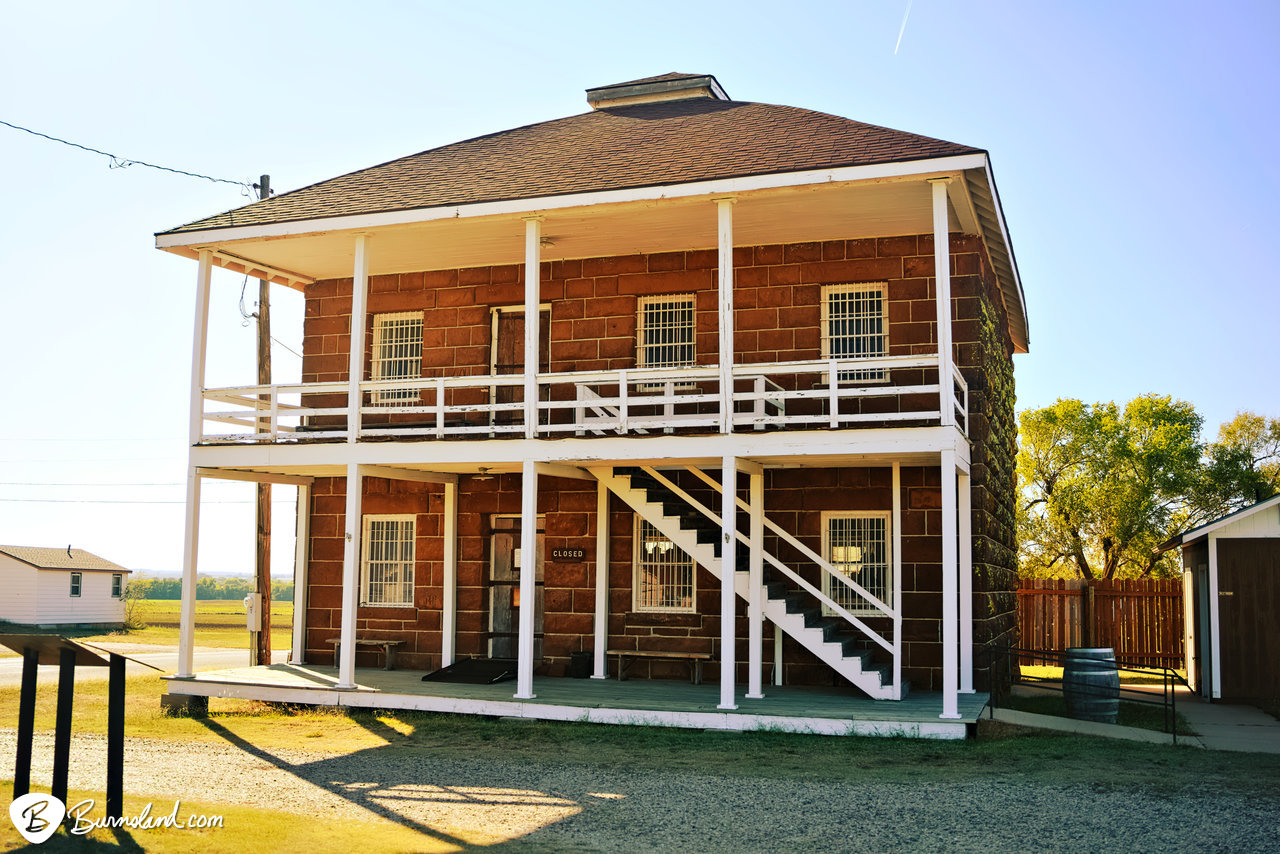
1008, 246
1229, 519
727, 186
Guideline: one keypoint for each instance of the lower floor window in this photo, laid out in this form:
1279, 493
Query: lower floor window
117, 585
75, 584
856, 544
387, 560
663, 573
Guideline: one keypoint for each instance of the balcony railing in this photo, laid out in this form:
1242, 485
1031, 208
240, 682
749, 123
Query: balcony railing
831, 393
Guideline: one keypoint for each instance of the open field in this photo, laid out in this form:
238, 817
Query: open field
219, 623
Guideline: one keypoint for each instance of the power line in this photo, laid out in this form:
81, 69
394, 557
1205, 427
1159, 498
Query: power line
124, 162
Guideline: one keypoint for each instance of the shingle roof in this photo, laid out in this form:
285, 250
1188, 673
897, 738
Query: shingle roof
46, 558
671, 142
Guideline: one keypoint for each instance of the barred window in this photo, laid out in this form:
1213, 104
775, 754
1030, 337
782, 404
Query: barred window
387, 560
397, 354
665, 329
854, 327
857, 545
663, 573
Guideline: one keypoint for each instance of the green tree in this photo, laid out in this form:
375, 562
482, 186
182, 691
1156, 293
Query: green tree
1102, 486
1243, 466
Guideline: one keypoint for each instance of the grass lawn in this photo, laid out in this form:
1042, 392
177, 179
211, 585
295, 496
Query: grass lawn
219, 623
1127, 677
242, 829
999, 752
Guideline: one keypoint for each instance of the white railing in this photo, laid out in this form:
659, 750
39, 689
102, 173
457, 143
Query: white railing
628, 401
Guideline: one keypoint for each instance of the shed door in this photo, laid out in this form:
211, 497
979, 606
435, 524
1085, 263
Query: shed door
1249, 617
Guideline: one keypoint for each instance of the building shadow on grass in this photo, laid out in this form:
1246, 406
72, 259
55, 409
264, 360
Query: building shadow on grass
403, 784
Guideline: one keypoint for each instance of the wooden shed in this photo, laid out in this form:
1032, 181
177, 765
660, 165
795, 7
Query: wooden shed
50, 587
1231, 578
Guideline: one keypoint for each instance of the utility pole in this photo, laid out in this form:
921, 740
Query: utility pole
260, 642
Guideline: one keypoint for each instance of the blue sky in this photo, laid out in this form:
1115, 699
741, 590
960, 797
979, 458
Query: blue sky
1131, 141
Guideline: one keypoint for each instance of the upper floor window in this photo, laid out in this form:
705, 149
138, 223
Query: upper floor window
856, 544
387, 555
75, 584
854, 326
117, 585
664, 332
397, 354
663, 574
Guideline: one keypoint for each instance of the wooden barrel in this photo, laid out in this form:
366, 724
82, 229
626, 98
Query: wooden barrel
1091, 685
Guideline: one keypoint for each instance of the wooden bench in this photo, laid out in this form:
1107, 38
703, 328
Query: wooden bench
693, 659
389, 648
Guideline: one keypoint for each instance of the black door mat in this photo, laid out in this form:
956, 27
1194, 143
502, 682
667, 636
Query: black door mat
475, 671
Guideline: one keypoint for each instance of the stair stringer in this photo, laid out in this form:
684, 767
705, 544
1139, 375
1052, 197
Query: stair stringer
856, 667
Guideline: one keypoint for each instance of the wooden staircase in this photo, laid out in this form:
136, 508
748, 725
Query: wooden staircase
845, 645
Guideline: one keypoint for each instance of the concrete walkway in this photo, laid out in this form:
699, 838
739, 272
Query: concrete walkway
1225, 726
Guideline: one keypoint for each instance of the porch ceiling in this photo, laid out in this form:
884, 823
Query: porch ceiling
792, 214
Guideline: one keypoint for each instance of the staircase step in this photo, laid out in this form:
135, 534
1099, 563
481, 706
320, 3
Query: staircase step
776, 589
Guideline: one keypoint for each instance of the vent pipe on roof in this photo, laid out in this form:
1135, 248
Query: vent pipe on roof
653, 90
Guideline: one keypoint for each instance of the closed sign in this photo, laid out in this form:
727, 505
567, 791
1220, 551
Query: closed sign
568, 555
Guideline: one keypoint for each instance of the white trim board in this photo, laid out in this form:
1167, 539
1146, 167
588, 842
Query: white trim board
727, 186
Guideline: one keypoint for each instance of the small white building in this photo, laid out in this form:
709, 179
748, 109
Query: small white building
60, 587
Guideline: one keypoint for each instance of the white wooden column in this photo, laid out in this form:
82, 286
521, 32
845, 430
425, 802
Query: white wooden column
942, 294
199, 346
449, 582
191, 536
895, 524
1214, 639
301, 555
190, 548
354, 524
777, 654
601, 669
755, 605
532, 321
950, 567
355, 364
725, 302
728, 597
965, 512
528, 575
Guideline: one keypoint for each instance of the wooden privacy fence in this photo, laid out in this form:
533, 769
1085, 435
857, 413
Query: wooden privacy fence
1141, 619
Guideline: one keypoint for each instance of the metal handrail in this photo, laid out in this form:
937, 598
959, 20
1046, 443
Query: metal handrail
1169, 679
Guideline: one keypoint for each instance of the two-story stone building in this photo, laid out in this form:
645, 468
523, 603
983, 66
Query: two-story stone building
737, 433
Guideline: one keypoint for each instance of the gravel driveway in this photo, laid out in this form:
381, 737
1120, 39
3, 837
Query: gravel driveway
572, 808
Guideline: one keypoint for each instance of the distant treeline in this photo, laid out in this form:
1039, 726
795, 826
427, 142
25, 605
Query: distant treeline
207, 588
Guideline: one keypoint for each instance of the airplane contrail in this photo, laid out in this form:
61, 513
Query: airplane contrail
905, 15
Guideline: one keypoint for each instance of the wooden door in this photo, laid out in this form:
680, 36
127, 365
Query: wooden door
505, 565
508, 354
1249, 617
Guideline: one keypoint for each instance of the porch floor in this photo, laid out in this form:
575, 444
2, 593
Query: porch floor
826, 711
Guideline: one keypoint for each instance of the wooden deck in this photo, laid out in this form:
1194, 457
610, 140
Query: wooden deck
825, 711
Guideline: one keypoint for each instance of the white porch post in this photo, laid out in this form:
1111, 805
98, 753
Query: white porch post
728, 598
1213, 640
191, 537
965, 512
725, 231
942, 289
354, 523
301, 553
601, 670
187, 618
359, 308
755, 604
777, 654
528, 573
950, 701
449, 582
532, 321
199, 346
895, 523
